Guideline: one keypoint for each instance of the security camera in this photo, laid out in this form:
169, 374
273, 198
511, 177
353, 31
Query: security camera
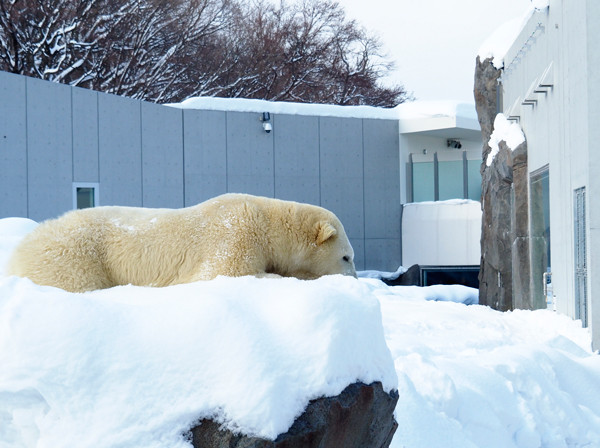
453, 143
267, 127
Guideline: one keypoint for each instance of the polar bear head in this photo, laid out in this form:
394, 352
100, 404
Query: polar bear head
332, 253
317, 245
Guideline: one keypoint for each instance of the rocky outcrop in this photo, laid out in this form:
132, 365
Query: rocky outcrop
412, 277
504, 276
362, 416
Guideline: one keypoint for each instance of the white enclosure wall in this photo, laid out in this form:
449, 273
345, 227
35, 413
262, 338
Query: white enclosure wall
443, 233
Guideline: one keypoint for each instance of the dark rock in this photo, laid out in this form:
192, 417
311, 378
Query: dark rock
485, 92
505, 271
362, 416
412, 277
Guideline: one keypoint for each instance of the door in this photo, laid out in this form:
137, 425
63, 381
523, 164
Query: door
580, 257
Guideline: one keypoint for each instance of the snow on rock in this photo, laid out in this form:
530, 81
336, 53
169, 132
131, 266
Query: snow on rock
506, 131
382, 275
133, 366
499, 42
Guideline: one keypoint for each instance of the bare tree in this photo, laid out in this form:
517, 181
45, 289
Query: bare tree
168, 51
307, 52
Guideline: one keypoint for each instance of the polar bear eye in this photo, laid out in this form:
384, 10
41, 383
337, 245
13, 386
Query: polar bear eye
346, 258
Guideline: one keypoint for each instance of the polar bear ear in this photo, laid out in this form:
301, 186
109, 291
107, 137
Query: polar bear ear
324, 232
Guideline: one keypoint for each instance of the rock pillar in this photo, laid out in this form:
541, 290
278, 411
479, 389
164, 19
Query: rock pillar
504, 277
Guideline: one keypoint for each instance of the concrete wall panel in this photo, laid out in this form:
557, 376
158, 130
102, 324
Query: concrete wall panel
249, 155
342, 172
358, 244
384, 254
49, 149
85, 135
205, 155
13, 146
162, 156
382, 182
120, 150
297, 158
149, 155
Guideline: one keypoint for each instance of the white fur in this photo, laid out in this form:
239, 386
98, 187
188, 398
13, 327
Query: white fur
231, 235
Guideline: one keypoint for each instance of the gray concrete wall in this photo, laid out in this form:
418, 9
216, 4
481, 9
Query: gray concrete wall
143, 154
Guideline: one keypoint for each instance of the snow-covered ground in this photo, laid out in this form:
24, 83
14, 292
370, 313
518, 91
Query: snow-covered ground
133, 366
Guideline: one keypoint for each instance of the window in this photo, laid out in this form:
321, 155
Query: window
450, 180
440, 180
474, 179
423, 181
85, 195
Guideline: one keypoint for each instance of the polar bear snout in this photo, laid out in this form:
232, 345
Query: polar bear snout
348, 264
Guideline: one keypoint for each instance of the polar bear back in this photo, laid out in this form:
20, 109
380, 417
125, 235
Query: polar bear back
229, 235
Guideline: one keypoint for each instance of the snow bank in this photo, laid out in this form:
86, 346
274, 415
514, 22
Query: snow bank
506, 131
382, 275
499, 42
473, 377
131, 366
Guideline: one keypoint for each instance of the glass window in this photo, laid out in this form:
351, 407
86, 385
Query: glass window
474, 179
451, 181
423, 182
539, 211
85, 197
85, 194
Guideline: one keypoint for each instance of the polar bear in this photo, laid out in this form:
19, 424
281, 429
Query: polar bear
230, 235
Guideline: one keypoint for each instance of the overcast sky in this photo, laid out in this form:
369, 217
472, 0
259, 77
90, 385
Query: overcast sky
434, 42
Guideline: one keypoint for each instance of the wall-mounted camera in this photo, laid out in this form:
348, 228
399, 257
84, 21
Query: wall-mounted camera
266, 118
453, 143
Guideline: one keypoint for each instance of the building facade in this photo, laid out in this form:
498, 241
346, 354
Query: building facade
549, 86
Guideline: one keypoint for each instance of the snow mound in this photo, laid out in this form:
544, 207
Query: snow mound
473, 377
133, 366
382, 275
506, 131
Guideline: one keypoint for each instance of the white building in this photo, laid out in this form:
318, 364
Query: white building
550, 86
440, 159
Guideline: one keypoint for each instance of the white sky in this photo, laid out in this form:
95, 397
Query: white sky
434, 42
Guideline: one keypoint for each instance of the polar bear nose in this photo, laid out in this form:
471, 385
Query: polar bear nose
350, 269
